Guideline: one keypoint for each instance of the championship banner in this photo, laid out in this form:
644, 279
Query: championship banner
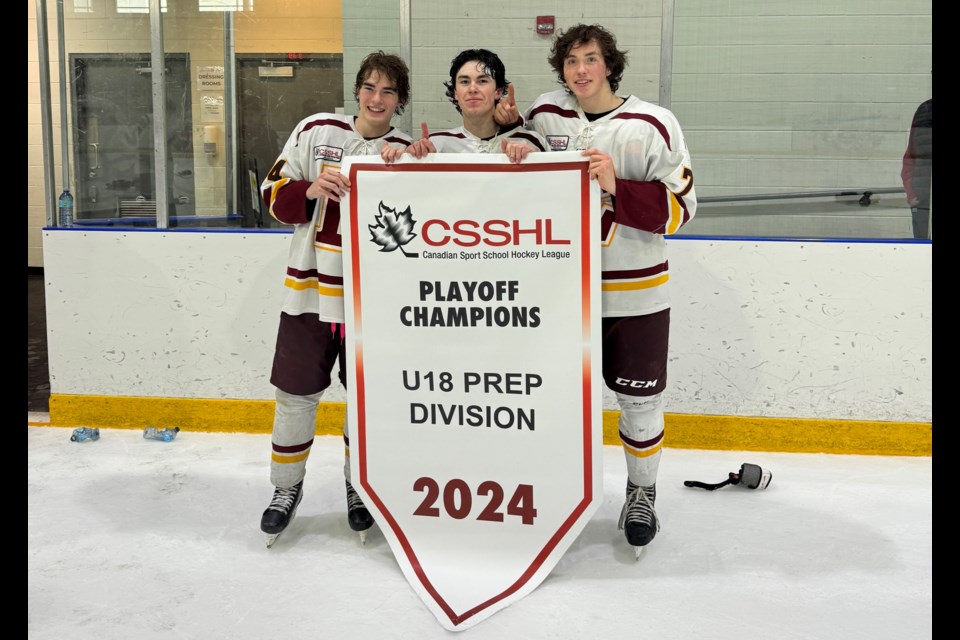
472, 296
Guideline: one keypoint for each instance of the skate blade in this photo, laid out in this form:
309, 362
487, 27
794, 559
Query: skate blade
271, 538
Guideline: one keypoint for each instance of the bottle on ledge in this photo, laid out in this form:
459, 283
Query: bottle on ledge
152, 433
65, 207
83, 434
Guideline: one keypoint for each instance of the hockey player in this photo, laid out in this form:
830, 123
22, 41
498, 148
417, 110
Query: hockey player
303, 189
477, 83
638, 154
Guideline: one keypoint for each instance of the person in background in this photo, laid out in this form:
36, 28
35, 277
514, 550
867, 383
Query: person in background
477, 83
917, 171
638, 154
303, 189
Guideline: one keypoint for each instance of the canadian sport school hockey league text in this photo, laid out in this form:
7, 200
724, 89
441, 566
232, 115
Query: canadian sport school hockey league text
539, 254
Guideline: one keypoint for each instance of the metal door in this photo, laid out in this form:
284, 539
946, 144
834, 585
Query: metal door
113, 135
275, 92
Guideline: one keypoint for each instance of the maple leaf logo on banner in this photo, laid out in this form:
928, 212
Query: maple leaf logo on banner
393, 230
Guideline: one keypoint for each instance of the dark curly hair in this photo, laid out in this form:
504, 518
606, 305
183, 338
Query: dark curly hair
581, 34
487, 59
390, 66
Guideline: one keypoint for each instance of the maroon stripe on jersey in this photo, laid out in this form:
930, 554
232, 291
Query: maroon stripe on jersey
294, 448
325, 279
641, 444
325, 237
323, 123
531, 139
297, 273
312, 273
396, 139
643, 116
622, 274
686, 211
448, 134
510, 127
552, 108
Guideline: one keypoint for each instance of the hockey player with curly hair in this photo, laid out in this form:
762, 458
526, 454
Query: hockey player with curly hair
639, 156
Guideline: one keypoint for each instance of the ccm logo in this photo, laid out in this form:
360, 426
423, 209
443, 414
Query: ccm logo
493, 233
637, 384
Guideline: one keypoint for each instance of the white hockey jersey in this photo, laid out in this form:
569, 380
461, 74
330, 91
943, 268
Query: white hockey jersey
655, 191
314, 279
459, 140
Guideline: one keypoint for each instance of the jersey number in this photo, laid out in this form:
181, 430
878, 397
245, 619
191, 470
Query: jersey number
274, 174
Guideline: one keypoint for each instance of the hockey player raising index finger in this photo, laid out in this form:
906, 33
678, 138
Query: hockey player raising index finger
477, 84
639, 157
304, 189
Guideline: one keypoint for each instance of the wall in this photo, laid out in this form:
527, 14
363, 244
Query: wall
785, 96
817, 330
805, 329
369, 25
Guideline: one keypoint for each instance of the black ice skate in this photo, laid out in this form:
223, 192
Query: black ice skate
638, 520
357, 514
281, 510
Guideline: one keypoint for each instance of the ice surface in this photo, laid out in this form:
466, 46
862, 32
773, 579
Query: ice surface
131, 539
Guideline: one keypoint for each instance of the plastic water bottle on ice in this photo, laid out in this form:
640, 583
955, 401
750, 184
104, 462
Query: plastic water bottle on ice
166, 435
82, 434
65, 205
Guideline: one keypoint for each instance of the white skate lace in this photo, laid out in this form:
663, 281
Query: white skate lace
638, 508
283, 498
353, 499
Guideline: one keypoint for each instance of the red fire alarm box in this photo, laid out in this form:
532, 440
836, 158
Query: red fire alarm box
544, 25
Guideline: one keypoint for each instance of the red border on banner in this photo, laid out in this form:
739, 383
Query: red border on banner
357, 333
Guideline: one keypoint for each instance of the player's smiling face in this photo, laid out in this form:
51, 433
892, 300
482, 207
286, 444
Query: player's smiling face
476, 90
378, 100
585, 73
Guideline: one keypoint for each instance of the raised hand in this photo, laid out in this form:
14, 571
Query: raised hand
506, 112
423, 146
